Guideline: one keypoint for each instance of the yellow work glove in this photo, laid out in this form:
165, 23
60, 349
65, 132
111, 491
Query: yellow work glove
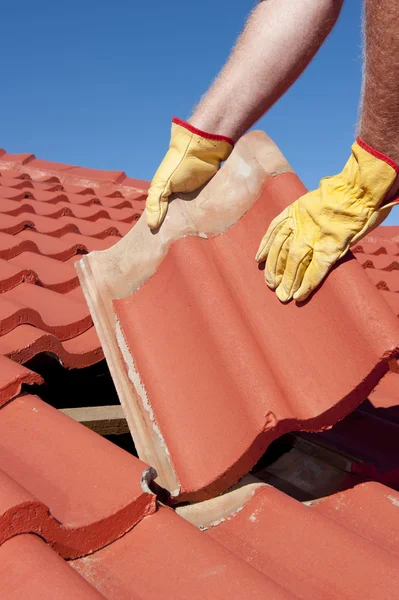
308, 237
193, 157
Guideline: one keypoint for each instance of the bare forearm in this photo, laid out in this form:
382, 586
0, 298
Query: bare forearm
278, 42
379, 123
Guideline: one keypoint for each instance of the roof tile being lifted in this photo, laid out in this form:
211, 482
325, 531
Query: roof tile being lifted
214, 359
50, 215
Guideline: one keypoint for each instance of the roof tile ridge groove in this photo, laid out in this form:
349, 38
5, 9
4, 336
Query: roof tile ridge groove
25, 341
263, 530
267, 394
21, 512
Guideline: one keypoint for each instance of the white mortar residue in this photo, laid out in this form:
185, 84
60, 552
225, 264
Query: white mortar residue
222, 520
394, 500
138, 384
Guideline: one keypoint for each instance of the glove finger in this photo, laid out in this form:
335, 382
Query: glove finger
270, 235
277, 257
299, 257
317, 270
156, 205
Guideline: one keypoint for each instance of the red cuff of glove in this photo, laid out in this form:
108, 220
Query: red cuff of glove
378, 154
204, 134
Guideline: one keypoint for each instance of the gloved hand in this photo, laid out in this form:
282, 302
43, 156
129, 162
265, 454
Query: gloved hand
308, 237
193, 157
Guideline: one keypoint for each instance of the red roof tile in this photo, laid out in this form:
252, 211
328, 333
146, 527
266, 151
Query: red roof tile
376, 247
277, 546
384, 262
185, 563
34, 305
367, 509
230, 355
378, 253
28, 166
389, 233
24, 342
33, 268
304, 548
384, 280
64, 482
30, 569
12, 377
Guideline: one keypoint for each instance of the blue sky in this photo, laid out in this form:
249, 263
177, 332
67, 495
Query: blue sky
96, 83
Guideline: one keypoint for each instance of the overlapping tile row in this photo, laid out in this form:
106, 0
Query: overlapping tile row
51, 214
346, 545
378, 253
277, 546
64, 482
271, 546
216, 361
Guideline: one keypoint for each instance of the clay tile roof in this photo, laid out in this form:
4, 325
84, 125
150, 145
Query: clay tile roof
204, 395
51, 214
378, 253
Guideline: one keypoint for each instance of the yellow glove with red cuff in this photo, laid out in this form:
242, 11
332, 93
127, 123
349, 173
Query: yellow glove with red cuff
193, 157
308, 237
